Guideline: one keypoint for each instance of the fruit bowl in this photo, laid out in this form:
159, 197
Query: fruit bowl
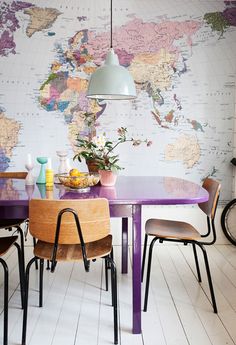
81, 182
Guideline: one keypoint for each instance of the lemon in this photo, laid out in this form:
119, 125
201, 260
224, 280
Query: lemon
74, 172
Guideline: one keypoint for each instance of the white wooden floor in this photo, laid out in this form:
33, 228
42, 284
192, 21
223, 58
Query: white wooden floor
77, 308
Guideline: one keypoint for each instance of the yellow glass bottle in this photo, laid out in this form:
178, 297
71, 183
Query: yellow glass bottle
49, 175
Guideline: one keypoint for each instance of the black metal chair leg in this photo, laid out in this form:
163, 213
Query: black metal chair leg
23, 342
112, 254
21, 232
106, 274
209, 278
148, 274
114, 298
36, 261
21, 273
5, 322
41, 267
48, 265
144, 255
196, 262
110, 259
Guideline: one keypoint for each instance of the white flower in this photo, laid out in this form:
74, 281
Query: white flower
99, 141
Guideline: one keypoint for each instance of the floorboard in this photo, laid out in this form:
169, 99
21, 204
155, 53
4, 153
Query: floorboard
77, 310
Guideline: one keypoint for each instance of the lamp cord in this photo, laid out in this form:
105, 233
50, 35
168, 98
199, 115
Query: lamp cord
111, 26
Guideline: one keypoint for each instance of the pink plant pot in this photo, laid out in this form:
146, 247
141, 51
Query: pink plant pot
107, 178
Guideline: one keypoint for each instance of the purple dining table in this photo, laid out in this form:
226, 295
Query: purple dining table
126, 200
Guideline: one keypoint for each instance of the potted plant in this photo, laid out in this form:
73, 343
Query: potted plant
100, 151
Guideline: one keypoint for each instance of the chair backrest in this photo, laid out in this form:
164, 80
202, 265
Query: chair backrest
93, 214
12, 215
13, 174
213, 188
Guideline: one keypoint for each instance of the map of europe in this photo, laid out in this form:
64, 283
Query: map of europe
185, 102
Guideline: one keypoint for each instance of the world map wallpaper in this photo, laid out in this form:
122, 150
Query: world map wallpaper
181, 54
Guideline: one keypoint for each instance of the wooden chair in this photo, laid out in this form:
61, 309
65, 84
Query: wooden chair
5, 244
177, 231
70, 230
18, 220
13, 174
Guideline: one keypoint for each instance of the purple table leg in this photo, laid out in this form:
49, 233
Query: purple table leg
136, 217
124, 263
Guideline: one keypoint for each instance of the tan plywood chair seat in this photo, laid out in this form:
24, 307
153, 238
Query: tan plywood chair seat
163, 228
8, 223
6, 243
73, 252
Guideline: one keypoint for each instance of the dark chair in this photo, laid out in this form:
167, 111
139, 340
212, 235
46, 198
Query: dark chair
176, 231
5, 244
6, 220
71, 230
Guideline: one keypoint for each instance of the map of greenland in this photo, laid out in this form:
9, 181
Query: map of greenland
40, 19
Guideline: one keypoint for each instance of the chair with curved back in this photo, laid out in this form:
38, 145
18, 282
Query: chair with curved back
177, 231
5, 244
6, 220
70, 230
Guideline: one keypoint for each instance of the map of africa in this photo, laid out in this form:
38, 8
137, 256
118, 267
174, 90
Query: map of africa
183, 64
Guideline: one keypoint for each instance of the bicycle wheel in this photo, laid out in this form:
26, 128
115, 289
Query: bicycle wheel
228, 221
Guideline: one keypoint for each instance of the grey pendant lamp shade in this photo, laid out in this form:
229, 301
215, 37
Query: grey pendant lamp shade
111, 81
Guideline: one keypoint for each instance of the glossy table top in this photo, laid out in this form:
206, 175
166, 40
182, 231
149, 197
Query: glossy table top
126, 199
143, 190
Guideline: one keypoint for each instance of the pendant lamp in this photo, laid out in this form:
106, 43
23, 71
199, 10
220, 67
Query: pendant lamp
111, 81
